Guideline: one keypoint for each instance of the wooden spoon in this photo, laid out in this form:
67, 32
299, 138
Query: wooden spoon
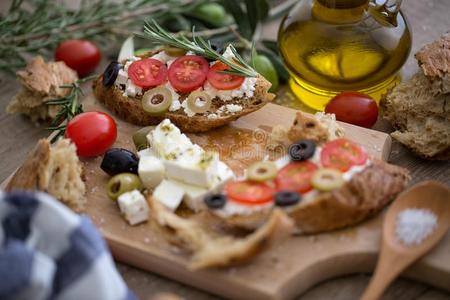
395, 256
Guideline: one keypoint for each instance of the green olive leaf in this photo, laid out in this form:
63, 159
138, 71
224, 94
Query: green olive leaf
257, 11
235, 8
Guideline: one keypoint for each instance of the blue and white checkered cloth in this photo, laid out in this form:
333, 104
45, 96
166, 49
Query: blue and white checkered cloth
49, 252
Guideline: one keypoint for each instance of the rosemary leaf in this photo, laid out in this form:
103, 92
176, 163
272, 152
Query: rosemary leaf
198, 45
70, 107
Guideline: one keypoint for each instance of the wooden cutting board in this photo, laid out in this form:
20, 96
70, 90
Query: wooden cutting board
285, 270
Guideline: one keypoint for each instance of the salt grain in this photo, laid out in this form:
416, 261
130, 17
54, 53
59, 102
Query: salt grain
415, 225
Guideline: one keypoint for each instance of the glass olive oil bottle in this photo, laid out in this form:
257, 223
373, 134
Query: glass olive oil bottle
330, 46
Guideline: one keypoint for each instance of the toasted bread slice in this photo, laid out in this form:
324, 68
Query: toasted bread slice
130, 108
53, 169
365, 194
210, 249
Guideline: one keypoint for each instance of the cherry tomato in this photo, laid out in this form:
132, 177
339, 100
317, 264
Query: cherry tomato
80, 55
342, 154
188, 73
147, 73
92, 132
249, 192
223, 81
354, 108
296, 177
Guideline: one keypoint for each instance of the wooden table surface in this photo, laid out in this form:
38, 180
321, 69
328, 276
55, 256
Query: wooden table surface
427, 19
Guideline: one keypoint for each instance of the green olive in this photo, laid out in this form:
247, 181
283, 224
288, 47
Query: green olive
264, 66
122, 183
199, 102
262, 171
175, 52
157, 101
140, 137
212, 13
326, 180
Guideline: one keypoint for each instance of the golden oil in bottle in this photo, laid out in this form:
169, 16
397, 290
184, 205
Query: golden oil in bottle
330, 46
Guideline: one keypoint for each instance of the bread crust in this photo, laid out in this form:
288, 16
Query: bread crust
130, 109
41, 82
30, 174
55, 170
434, 59
210, 249
364, 195
421, 118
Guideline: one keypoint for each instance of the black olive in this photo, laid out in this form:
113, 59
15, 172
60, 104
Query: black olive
286, 198
117, 160
215, 201
110, 73
302, 150
217, 48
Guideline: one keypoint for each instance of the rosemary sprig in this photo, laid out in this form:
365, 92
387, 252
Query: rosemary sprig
34, 27
70, 107
198, 45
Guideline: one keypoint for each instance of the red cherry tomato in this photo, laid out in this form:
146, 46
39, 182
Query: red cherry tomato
296, 177
248, 192
223, 81
80, 55
342, 154
188, 73
354, 108
92, 132
147, 73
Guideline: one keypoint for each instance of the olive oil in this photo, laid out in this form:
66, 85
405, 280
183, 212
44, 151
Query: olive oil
330, 46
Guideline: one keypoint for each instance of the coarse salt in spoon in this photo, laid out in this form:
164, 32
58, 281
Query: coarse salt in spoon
417, 220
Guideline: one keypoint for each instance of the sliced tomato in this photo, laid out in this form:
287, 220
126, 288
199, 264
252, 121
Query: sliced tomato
342, 154
188, 73
223, 81
248, 192
147, 73
296, 177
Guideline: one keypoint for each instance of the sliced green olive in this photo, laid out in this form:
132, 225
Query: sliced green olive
262, 171
326, 180
175, 52
157, 101
122, 183
199, 102
140, 137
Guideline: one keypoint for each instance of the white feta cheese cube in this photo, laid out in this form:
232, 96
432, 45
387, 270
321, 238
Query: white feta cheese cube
130, 61
146, 152
194, 195
134, 207
122, 77
162, 57
169, 194
223, 175
151, 171
228, 53
132, 90
198, 170
233, 108
167, 140
282, 162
